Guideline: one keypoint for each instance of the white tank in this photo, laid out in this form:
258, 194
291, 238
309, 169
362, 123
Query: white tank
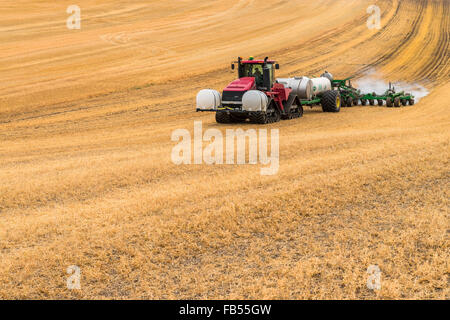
208, 99
320, 85
301, 86
254, 100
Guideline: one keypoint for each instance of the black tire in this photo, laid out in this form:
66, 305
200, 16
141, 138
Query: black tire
404, 102
363, 102
292, 108
275, 116
411, 102
238, 118
371, 102
389, 102
397, 102
349, 102
408, 101
380, 102
223, 117
356, 102
296, 112
300, 111
270, 116
258, 117
331, 101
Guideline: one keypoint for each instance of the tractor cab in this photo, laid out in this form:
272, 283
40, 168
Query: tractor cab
345, 83
263, 71
391, 89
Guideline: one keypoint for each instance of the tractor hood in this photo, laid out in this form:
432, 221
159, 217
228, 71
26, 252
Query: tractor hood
242, 84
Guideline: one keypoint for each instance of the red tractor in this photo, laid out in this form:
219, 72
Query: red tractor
260, 98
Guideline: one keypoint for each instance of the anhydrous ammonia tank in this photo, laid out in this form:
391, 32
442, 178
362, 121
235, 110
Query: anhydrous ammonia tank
320, 85
208, 99
254, 100
301, 86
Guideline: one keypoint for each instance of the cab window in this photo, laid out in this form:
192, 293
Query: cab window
255, 71
270, 67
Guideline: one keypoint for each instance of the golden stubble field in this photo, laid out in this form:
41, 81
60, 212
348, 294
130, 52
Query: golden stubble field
86, 118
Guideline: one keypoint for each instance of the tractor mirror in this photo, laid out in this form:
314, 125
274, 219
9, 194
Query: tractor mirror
232, 66
277, 66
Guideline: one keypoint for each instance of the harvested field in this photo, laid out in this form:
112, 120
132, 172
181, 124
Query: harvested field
86, 118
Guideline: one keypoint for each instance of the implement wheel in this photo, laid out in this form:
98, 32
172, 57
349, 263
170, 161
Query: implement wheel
363, 102
389, 103
397, 102
371, 102
404, 102
349, 102
380, 102
331, 101
408, 101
